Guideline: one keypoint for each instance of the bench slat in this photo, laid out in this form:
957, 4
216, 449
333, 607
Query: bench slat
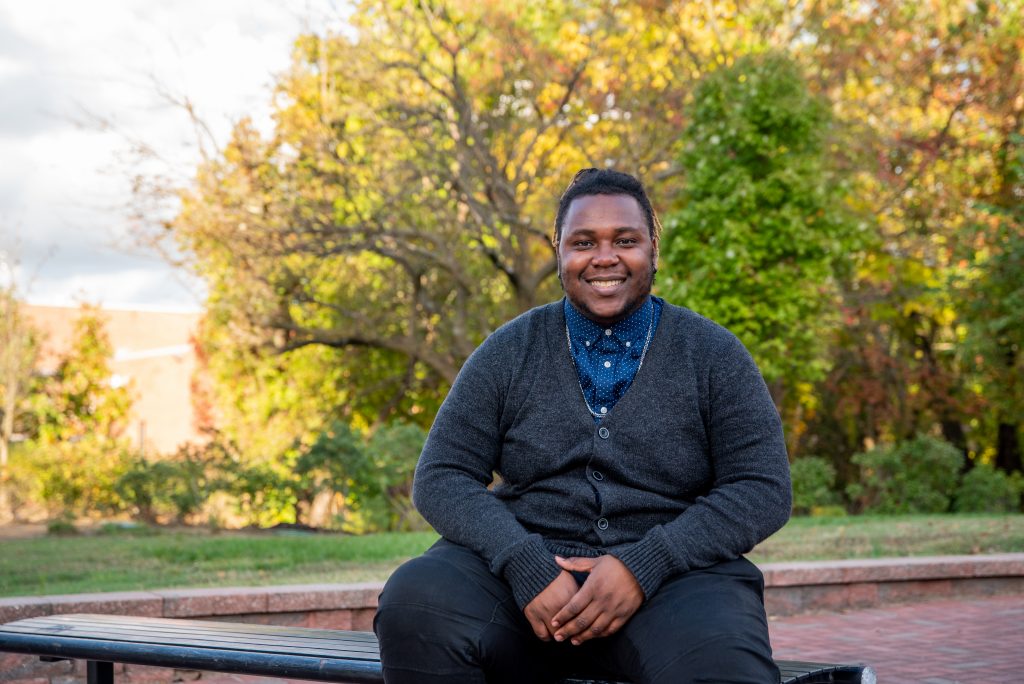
240, 642
197, 627
242, 648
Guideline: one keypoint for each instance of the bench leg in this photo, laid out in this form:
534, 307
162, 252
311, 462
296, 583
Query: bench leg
99, 672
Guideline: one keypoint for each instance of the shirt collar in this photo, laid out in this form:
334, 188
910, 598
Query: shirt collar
632, 328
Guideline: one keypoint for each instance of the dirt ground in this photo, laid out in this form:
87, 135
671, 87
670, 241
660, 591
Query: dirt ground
22, 530
31, 530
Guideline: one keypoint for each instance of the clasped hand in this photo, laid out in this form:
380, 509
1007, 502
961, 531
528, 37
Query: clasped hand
605, 602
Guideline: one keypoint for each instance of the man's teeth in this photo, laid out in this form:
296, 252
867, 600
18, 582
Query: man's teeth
606, 283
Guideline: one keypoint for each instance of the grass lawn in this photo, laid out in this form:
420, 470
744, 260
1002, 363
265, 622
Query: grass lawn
150, 559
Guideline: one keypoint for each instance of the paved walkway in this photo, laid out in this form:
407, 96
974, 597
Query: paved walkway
941, 642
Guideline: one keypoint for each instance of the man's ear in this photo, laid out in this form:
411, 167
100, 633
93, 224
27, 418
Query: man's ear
654, 248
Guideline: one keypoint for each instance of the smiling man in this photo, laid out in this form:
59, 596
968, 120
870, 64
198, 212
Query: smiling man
640, 456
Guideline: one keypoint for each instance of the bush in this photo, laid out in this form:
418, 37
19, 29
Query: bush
987, 490
814, 481
394, 450
176, 487
919, 476
63, 526
75, 477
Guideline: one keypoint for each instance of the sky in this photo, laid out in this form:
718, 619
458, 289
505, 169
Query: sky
81, 85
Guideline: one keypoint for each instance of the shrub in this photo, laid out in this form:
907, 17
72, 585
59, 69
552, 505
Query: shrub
987, 490
175, 487
814, 481
75, 477
62, 526
918, 476
393, 451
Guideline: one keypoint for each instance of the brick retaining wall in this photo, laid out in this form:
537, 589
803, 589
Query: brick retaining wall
791, 588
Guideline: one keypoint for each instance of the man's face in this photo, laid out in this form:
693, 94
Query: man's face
606, 258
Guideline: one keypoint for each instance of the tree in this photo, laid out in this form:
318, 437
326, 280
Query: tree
77, 451
992, 292
929, 100
401, 210
763, 232
19, 346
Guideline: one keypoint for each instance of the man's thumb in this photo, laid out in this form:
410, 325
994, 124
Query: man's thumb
575, 564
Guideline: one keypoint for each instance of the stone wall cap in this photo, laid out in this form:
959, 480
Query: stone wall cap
214, 601
892, 569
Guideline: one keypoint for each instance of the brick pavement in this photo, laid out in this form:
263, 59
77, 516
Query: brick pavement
973, 641
968, 641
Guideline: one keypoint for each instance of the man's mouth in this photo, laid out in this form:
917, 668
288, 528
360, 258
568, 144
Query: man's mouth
607, 284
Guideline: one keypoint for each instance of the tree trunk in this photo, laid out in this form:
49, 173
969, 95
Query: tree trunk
1008, 448
953, 432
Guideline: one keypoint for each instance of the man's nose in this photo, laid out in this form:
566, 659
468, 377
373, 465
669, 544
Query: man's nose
605, 255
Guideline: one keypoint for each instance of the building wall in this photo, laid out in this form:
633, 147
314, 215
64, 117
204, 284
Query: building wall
153, 354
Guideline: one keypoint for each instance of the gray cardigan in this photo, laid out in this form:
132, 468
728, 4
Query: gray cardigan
688, 469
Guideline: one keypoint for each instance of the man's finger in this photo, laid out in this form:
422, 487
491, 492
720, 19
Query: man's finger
599, 628
576, 605
539, 628
575, 628
614, 626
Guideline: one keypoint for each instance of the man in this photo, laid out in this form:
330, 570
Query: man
640, 455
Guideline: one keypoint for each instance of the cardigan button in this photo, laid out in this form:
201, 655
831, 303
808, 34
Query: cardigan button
598, 475
602, 523
604, 432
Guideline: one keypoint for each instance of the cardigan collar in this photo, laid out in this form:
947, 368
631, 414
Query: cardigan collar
656, 364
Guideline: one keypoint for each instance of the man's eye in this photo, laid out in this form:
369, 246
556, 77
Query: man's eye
582, 243
629, 242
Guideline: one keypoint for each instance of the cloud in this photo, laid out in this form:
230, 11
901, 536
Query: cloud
27, 111
85, 79
28, 103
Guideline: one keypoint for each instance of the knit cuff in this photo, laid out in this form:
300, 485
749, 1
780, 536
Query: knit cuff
530, 569
649, 560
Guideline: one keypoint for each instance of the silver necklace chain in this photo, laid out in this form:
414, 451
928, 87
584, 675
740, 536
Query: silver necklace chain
643, 355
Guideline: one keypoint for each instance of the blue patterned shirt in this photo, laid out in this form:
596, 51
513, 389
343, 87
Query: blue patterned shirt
607, 359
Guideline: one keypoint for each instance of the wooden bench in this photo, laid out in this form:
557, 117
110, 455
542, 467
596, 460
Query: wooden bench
292, 652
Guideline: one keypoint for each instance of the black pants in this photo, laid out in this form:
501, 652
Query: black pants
444, 617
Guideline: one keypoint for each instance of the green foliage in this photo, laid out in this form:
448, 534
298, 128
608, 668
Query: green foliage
333, 466
814, 481
77, 477
79, 401
75, 455
175, 488
990, 291
763, 230
393, 451
262, 493
373, 476
987, 490
63, 526
849, 205
128, 529
343, 480
917, 476
19, 348
400, 210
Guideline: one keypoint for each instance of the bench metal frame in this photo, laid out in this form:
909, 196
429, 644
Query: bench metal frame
240, 648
